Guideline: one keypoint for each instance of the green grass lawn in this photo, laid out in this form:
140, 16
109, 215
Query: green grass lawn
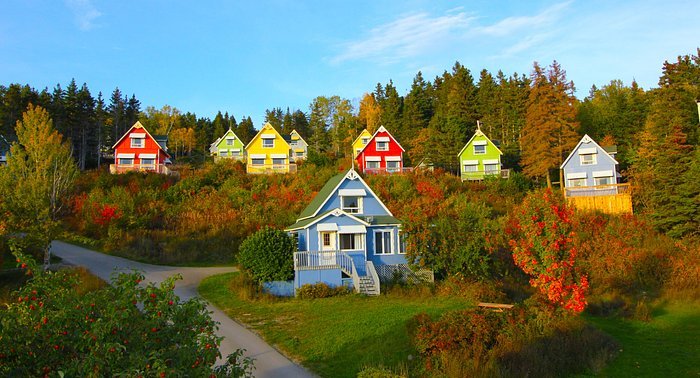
667, 346
334, 337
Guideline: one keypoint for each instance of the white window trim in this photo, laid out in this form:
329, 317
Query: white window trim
142, 141
593, 162
479, 153
360, 204
373, 162
391, 241
383, 143
400, 251
362, 241
270, 146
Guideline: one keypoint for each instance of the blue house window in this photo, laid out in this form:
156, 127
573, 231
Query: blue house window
351, 242
352, 204
382, 243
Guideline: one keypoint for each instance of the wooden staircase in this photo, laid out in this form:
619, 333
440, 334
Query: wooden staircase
367, 286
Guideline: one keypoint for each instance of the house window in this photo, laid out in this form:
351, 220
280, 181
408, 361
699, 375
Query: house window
479, 149
577, 182
402, 243
365, 141
382, 146
257, 161
491, 168
588, 159
372, 165
351, 242
137, 142
268, 143
223, 153
392, 166
470, 167
299, 153
235, 153
148, 162
382, 243
229, 142
126, 161
352, 204
278, 161
603, 181
326, 239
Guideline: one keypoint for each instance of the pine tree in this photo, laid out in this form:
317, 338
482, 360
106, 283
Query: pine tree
417, 108
116, 110
246, 130
300, 123
550, 130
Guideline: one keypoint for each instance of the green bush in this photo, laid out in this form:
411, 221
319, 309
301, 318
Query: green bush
268, 255
54, 328
321, 290
378, 372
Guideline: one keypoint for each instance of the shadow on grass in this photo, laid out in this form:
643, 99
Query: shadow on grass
668, 345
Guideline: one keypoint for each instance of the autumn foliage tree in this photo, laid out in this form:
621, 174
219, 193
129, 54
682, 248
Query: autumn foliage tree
550, 122
542, 239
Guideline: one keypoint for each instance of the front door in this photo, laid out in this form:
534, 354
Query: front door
328, 247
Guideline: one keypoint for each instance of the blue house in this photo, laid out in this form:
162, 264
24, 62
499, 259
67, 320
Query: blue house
346, 236
590, 170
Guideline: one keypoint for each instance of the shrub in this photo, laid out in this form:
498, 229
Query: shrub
268, 255
126, 329
525, 341
321, 290
542, 240
379, 372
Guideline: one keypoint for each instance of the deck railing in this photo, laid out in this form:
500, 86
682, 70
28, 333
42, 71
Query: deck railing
157, 168
599, 190
319, 260
388, 170
272, 168
479, 175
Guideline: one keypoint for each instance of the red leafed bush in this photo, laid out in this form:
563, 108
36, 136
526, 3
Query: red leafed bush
106, 213
542, 239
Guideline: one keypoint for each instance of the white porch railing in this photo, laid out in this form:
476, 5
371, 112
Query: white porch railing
479, 175
319, 260
271, 168
158, 168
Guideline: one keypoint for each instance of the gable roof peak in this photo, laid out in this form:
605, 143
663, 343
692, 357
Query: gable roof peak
586, 139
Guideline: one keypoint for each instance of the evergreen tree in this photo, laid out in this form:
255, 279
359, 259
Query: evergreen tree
300, 123
550, 130
670, 198
318, 124
246, 130
391, 105
132, 111
287, 123
275, 117
417, 109
100, 121
116, 110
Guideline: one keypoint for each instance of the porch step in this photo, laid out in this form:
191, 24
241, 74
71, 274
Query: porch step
367, 286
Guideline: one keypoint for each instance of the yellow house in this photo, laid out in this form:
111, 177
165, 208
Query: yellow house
268, 152
360, 142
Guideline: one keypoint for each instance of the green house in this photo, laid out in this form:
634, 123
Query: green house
480, 157
228, 146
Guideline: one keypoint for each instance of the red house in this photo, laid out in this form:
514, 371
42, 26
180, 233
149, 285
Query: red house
381, 154
138, 150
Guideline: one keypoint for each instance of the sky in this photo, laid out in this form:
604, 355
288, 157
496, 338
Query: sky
244, 57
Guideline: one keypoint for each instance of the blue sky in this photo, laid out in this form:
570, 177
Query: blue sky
248, 56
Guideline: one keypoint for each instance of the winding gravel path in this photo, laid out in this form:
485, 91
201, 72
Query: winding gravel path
268, 361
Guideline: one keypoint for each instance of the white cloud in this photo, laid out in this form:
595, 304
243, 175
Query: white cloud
511, 25
408, 36
84, 13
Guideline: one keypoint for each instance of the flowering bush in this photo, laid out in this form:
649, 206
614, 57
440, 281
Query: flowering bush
542, 241
127, 329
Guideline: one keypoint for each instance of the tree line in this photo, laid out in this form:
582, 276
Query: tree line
535, 119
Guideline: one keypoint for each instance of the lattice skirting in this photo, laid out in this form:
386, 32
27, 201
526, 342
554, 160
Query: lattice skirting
388, 273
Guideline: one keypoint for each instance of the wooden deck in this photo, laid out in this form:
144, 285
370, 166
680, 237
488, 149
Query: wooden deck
610, 199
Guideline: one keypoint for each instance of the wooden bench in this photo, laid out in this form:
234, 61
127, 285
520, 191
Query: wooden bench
498, 307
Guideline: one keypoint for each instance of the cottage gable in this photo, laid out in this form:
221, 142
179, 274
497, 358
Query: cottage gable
382, 153
137, 149
479, 157
228, 146
268, 152
360, 142
298, 146
588, 165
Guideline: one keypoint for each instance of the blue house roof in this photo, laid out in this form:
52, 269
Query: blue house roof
327, 202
